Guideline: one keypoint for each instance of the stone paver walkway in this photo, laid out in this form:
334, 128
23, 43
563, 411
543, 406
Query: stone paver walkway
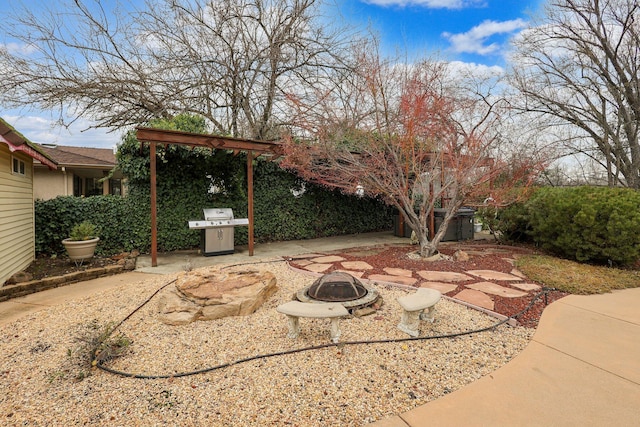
480, 286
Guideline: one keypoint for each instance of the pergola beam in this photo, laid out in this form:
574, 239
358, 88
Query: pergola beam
172, 137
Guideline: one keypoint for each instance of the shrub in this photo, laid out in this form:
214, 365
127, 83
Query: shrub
83, 231
512, 223
587, 224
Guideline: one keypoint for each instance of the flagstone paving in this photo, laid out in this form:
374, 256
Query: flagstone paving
526, 286
474, 297
403, 280
494, 275
318, 268
477, 292
518, 273
444, 276
444, 288
356, 265
305, 256
330, 258
398, 271
493, 289
357, 274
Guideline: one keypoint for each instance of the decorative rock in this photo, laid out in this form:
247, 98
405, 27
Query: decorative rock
414, 238
461, 256
439, 286
493, 289
356, 265
129, 264
19, 277
494, 275
393, 279
438, 257
444, 276
330, 258
208, 294
398, 271
364, 311
476, 298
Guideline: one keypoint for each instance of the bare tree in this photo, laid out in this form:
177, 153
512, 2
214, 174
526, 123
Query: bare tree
410, 134
226, 60
580, 65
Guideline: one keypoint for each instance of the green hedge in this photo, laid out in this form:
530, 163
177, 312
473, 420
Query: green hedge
124, 222
587, 224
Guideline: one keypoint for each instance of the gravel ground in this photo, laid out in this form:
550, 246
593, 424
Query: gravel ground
46, 378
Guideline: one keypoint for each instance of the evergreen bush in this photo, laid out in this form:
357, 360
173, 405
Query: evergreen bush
586, 224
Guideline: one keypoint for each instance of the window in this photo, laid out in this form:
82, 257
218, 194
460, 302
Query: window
77, 186
19, 167
93, 186
116, 187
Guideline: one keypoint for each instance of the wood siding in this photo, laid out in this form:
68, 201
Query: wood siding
17, 235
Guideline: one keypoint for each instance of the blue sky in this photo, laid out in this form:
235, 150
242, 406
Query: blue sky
474, 31
471, 31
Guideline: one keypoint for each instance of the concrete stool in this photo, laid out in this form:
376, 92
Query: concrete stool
414, 306
296, 309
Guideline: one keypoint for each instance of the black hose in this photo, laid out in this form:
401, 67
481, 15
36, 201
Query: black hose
101, 366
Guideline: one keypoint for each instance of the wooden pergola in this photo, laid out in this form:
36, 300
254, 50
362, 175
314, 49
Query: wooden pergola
171, 137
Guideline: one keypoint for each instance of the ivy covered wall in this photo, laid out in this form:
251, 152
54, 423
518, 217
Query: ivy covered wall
285, 207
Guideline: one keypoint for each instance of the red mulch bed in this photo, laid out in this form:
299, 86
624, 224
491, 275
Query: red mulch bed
483, 256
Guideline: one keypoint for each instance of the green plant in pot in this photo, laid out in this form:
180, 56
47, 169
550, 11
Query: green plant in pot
82, 241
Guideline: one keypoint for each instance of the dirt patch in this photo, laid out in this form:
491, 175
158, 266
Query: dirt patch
45, 266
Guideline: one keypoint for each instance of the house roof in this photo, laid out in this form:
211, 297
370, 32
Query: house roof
17, 142
80, 156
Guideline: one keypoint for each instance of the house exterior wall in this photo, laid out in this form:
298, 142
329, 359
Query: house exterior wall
48, 184
17, 229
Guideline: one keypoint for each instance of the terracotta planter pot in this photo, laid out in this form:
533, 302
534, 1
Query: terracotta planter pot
79, 250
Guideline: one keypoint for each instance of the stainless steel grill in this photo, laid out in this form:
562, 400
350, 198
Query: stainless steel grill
217, 230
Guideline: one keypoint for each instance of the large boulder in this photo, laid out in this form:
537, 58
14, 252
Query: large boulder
208, 294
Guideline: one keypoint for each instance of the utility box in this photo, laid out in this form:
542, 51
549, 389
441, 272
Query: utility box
460, 227
397, 231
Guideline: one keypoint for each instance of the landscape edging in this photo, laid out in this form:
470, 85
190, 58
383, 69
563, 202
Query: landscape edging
25, 288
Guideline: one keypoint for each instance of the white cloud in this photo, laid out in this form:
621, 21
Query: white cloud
459, 68
431, 4
474, 40
18, 48
43, 130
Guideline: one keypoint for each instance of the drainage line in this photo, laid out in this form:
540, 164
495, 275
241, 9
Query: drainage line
101, 366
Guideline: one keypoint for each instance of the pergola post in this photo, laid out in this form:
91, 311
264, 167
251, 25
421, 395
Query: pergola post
154, 210
250, 198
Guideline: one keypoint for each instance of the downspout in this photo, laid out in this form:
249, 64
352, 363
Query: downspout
66, 182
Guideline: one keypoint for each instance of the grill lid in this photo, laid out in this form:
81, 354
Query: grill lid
217, 214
